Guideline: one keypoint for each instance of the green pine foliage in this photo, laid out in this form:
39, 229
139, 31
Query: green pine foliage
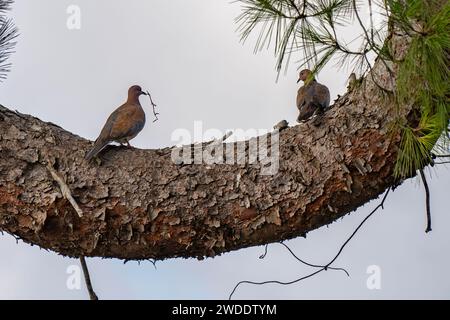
423, 82
309, 27
312, 28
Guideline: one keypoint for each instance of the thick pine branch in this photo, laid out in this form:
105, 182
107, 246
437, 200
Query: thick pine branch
138, 204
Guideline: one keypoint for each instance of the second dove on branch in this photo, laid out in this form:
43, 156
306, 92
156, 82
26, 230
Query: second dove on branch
312, 97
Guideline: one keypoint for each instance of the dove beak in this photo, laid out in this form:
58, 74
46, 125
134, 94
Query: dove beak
298, 80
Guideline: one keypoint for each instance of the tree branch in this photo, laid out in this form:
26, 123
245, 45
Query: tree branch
323, 268
65, 190
87, 279
140, 204
427, 199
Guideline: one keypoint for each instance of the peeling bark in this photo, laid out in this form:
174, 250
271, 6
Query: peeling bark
139, 204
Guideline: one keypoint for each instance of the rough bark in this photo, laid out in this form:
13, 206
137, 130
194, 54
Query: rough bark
138, 204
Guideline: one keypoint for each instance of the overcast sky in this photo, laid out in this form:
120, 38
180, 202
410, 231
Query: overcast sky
188, 54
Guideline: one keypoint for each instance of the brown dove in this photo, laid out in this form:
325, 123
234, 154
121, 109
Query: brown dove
123, 124
312, 97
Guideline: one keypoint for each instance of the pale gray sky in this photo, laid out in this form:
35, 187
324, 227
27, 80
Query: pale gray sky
188, 55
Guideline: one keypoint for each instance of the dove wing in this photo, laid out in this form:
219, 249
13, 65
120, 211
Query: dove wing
321, 96
125, 122
301, 95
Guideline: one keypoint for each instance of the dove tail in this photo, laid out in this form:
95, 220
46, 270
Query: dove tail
98, 146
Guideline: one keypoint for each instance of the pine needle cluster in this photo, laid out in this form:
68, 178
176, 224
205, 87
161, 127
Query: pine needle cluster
315, 30
8, 32
423, 81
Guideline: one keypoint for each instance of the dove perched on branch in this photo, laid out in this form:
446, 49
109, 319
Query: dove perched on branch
312, 97
123, 124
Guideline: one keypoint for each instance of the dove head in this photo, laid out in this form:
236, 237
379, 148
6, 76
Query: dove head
305, 75
134, 92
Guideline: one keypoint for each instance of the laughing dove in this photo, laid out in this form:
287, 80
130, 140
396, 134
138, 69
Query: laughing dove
123, 124
312, 97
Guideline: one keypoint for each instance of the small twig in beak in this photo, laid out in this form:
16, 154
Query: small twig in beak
153, 106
